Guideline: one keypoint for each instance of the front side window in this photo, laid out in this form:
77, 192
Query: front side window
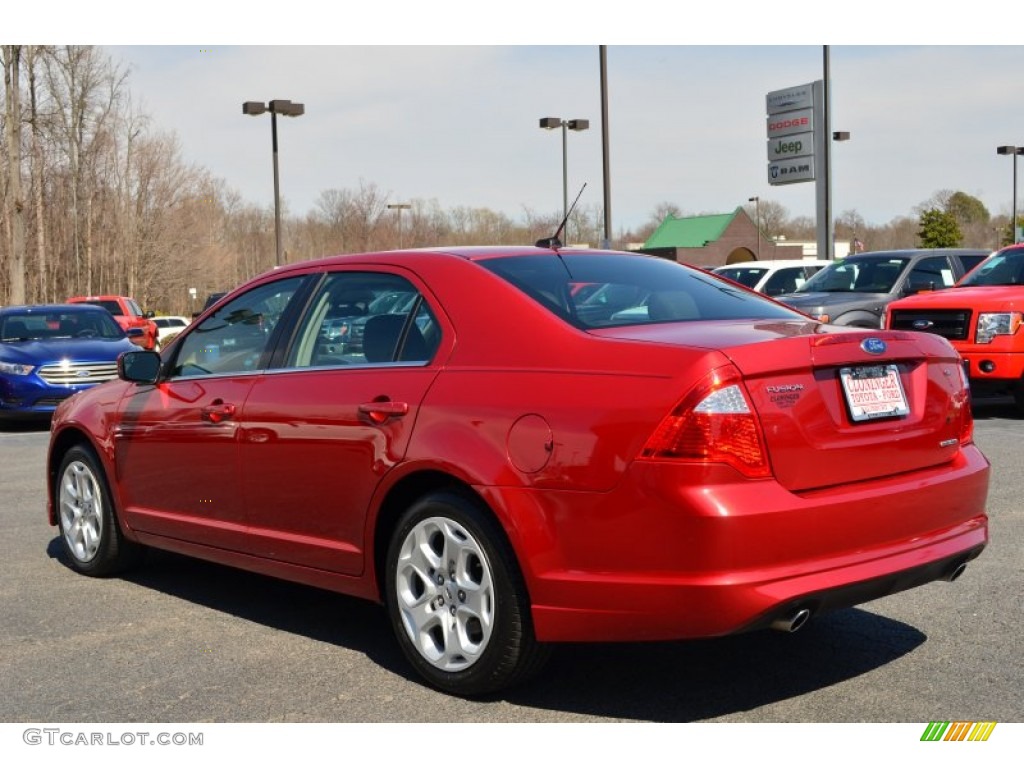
365, 318
236, 337
930, 275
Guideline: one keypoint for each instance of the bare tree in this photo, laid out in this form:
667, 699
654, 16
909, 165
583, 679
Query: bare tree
15, 201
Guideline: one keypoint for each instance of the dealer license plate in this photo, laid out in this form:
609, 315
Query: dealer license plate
873, 392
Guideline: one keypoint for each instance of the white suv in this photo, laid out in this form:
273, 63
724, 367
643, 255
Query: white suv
772, 277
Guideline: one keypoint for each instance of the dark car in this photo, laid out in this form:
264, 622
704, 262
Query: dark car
50, 352
503, 470
856, 290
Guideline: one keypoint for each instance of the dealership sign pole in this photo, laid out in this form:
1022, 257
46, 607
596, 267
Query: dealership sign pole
798, 145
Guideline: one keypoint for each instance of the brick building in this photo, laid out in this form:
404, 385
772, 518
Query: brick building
717, 239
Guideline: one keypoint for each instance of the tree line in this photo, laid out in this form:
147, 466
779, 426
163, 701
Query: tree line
97, 199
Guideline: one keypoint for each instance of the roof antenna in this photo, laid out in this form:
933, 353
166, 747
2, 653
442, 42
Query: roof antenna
553, 241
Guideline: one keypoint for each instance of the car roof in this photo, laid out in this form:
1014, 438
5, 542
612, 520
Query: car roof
469, 253
906, 252
774, 263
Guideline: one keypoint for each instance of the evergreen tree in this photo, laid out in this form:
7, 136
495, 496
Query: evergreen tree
939, 230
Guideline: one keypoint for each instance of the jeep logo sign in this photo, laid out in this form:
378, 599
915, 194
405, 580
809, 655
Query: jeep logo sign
797, 145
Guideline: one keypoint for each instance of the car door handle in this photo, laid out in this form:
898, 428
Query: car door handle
218, 411
380, 411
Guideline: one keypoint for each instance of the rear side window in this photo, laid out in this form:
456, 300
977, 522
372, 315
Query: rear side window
607, 290
785, 280
365, 318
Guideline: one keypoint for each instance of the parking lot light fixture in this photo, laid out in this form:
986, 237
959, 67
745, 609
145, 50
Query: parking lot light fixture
757, 208
1012, 150
550, 123
399, 207
275, 108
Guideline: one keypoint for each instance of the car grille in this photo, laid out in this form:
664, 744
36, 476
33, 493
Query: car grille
951, 323
76, 374
43, 402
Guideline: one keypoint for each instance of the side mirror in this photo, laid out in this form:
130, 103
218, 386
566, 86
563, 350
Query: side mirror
135, 333
142, 366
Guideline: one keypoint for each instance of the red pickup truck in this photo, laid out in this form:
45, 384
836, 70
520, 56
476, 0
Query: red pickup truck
128, 315
981, 316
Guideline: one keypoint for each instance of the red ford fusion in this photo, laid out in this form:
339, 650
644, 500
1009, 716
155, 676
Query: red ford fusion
534, 445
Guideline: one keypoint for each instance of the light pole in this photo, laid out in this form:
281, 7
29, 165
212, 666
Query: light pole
549, 123
399, 207
757, 208
275, 108
1010, 150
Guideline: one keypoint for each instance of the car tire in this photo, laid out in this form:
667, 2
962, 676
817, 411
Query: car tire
89, 530
456, 598
1018, 397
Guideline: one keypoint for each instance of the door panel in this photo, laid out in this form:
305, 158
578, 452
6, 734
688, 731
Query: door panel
176, 443
320, 432
177, 460
314, 447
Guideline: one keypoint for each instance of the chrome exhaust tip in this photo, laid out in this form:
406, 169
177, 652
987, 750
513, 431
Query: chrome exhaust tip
956, 573
792, 623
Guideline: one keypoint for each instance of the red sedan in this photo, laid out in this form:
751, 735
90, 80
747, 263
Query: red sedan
507, 461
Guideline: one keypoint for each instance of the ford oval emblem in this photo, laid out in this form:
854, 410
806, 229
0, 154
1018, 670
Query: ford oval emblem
873, 346
922, 325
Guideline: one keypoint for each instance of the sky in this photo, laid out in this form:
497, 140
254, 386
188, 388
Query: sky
446, 109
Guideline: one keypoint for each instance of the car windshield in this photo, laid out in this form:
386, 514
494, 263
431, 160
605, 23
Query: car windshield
864, 274
40, 326
1003, 268
629, 290
748, 276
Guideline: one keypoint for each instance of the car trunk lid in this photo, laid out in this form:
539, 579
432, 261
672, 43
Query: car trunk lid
839, 405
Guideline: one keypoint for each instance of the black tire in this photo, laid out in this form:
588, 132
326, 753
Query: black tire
456, 598
1018, 398
89, 531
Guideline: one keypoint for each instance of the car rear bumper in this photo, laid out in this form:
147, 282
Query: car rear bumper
676, 553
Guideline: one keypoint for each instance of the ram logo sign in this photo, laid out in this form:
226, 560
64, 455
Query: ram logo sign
791, 171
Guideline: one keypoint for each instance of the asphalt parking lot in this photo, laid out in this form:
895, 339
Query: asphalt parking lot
181, 640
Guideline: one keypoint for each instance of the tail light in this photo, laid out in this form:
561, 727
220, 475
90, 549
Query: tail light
963, 400
713, 423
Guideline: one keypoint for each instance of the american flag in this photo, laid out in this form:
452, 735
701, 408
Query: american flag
858, 246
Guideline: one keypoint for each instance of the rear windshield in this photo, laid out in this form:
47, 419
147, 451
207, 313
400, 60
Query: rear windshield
608, 290
111, 306
747, 276
1003, 268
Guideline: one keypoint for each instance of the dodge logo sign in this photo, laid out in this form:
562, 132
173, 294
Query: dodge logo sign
873, 346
